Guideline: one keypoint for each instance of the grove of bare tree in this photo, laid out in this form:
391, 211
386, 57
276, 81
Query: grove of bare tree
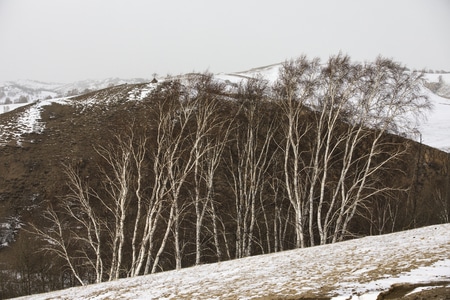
211, 172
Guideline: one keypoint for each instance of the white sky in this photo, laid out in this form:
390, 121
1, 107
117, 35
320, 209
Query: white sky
68, 40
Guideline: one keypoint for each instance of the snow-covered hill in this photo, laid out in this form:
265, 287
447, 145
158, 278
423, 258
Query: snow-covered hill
356, 269
14, 94
434, 131
93, 85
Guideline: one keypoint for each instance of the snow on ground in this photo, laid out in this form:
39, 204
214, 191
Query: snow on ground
140, 93
4, 108
435, 131
28, 121
360, 268
434, 77
269, 73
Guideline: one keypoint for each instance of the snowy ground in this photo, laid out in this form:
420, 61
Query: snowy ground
356, 269
4, 108
27, 122
436, 129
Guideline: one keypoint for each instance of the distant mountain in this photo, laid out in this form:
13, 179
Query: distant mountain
23, 91
20, 92
84, 86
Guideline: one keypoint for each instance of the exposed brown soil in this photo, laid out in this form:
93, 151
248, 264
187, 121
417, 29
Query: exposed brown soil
435, 290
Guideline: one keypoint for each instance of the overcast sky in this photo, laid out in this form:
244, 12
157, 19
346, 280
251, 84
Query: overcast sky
68, 40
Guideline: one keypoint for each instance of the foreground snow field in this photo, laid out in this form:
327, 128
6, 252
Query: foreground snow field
356, 269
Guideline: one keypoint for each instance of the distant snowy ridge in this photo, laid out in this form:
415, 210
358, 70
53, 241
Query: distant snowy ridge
355, 269
14, 94
439, 83
93, 85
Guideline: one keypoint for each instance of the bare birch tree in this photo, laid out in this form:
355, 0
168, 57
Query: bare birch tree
84, 213
57, 241
354, 106
160, 196
389, 100
295, 85
156, 201
75, 234
139, 151
250, 161
205, 98
117, 183
330, 104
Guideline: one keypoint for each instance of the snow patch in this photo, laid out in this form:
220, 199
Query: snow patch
138, 94
28, 121
8, 230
